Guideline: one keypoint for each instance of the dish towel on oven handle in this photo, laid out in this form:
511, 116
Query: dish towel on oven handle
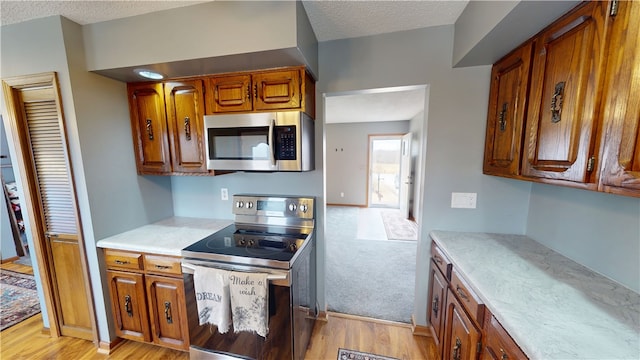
212, 297
249, 302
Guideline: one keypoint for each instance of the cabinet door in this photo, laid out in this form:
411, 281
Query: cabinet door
498, 345
621, 160
185, 110
128, 304
567, 78
149, 125
507, 106
462, 336
229, 94
167, 308
277, 90
437, 294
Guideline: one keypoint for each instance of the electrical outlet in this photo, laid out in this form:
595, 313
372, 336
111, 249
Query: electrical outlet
463, 200
224, 194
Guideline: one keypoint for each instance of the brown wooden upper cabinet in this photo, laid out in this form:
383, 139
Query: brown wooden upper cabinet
580, 114
167, 124
279, 89
621, 154
567, 77
507, 107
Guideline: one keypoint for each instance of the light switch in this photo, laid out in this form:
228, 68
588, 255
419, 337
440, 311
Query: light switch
224, 194
463, 200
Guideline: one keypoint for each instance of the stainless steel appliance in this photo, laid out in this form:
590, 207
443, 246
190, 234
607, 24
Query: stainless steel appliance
270, 141
273, 235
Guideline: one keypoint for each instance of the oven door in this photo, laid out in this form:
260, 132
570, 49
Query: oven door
207, 343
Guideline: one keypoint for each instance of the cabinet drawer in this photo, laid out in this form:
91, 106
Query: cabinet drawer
441, 261
469, 300
162, 264
497, 343
123, 259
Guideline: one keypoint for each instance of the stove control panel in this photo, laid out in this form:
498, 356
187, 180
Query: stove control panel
274, 206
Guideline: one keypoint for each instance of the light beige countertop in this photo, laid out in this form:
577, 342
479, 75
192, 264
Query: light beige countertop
165, 237
553, 307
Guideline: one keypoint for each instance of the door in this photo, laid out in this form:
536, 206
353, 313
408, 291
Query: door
621, 160
167, 309
38, 129
406, 176
149, 124
567, 78
230, 93
185, 112
128, 304
384, 170
462, 336
507, 107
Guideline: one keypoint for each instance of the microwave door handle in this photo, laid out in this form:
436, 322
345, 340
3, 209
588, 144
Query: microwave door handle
271, 142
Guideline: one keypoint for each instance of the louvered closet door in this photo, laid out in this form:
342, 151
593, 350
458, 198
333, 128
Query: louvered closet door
57, 204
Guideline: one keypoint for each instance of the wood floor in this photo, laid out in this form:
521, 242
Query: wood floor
26, 341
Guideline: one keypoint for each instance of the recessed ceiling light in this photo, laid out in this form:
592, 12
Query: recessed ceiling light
149, 74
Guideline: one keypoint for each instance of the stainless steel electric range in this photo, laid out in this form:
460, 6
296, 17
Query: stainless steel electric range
271, 234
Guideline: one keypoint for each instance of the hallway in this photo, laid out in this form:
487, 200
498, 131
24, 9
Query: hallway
367, 274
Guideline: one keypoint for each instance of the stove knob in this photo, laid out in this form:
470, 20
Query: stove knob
293, 247
304, 208
240, 204
292, 207
243, 242
249, 205
252, 243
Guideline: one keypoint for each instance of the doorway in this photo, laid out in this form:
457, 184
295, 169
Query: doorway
358, 250
385, 152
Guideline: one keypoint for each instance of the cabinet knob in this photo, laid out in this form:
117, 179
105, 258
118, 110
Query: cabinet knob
187, 128
167, 312
127, 305
456, 349
556, 102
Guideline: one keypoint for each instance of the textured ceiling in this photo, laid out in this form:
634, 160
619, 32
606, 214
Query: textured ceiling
330, 20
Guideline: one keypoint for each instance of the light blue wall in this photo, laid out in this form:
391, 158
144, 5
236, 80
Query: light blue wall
600, 231
111, 197
455, 115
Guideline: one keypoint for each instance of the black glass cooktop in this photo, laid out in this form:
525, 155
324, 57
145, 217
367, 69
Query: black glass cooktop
234, 241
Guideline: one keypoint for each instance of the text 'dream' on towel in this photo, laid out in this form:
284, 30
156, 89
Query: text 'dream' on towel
212, 297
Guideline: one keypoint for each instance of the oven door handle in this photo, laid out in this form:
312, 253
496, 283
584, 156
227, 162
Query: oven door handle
189, 269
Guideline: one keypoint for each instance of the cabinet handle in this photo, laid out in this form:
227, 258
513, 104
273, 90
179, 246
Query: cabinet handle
163, 267
556, 102
127, 305
167, 312
456, 349
187, 128
248, 92
434, 305
122, 262
502, 117
504, 355
437, 259
462, 294
255, 90
149, 129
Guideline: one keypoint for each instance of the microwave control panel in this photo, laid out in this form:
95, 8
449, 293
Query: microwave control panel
285, 142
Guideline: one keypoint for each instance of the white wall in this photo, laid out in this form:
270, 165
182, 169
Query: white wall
347, 158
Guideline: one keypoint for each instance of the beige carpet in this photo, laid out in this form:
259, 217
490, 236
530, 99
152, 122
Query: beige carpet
397, 227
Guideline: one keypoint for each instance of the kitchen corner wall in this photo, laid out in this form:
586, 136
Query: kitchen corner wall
453, 132
111, 197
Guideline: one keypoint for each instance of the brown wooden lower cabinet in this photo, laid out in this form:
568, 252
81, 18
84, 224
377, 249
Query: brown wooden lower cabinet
129, 305
464, 329
148, 298
462, 337
498, 345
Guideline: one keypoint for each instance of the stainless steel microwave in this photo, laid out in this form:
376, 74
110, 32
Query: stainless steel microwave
273, 141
